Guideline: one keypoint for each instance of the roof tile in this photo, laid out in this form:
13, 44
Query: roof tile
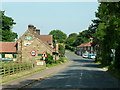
8, 47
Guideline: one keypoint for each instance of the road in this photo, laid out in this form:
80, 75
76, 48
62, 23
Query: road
82, 73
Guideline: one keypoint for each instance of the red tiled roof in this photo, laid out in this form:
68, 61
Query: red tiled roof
8, 47
81, 45
46, 38
85, 44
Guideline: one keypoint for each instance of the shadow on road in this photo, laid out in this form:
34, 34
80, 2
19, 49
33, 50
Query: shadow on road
83, 60
85, 63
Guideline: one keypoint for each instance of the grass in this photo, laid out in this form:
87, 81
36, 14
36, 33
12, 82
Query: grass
19, 75
111, 70
114, 72
29, 72
102, 66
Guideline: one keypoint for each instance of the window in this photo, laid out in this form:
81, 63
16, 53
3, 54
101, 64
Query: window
3, 55
88, 48
14, 55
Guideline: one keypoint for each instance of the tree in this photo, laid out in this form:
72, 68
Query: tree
6, 24
108, 32
82, 37
61, 50
72, 35
71, 39
58, 35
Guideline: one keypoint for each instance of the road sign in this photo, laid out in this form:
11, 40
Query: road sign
33, 53
44, 54
113, 51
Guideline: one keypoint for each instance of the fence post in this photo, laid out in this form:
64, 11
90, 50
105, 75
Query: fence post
8, 70
4, 70
13, 68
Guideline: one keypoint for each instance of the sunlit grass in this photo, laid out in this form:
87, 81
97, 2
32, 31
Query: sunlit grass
102, 66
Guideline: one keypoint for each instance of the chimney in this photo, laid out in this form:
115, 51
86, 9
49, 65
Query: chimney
38, 31
34, 29
30, 26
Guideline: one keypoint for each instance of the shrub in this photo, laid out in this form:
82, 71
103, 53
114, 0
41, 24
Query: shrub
56, 61
49, 59
62, 60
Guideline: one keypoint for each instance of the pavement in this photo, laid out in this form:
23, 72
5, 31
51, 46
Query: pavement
32, 79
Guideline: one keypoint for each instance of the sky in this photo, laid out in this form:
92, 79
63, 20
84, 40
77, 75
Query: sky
69, 17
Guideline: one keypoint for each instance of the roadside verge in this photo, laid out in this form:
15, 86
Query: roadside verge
37, 76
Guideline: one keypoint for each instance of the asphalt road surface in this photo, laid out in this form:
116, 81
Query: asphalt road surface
82, 73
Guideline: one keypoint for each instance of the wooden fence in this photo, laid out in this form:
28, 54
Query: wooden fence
12, 68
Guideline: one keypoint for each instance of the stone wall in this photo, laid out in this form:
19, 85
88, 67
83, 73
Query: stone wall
25, 47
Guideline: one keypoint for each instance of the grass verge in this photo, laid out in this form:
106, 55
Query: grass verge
32, 71
101, 66
19, 75
114, 72
111, 70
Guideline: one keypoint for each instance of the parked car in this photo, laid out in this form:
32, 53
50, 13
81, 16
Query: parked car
85, 56
91, 56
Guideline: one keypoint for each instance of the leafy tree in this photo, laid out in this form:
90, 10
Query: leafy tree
108, 32
61, 50
58, 35
6, 24
82, 37
72, 35
74, 39
93, 27
71, 39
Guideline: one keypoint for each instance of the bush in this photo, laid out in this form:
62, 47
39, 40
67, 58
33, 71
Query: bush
62, 60
49, 59
56, 61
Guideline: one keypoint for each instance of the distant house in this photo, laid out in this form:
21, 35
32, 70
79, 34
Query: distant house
8, 50
85, 48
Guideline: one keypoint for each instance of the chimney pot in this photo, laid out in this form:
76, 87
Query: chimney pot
38, 31
30, 26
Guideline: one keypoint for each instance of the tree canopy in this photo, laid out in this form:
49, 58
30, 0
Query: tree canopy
58, 35
107, 33
6, 24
